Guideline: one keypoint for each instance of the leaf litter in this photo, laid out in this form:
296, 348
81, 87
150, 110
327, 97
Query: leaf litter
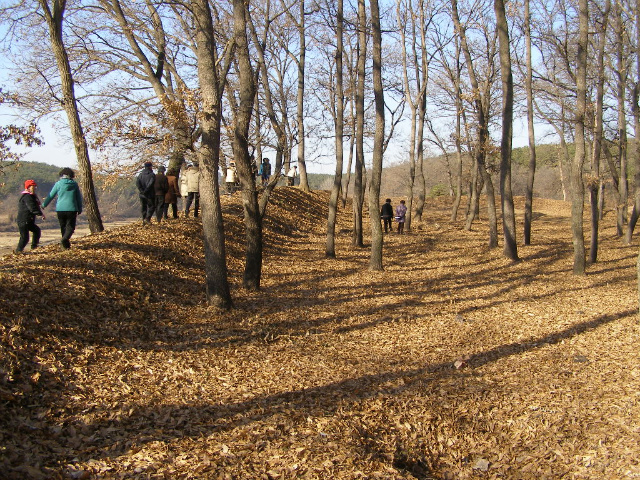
453, 363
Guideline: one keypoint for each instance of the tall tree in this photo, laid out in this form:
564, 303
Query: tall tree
481, 102
246, 94
54, 15
508, 212
358, 194
301, 64
211, 89
531, 171
577, 184
330, 249
375, 261
595, 181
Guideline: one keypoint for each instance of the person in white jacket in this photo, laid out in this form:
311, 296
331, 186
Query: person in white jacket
231, 178
192, 181
291, 176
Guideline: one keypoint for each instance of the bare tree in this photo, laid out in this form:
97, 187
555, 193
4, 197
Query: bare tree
508, 212
375, 261
358, 193
211, 89
577, 185
54, 15
481, 102
330, 250
595, 181
531, 171
246, 94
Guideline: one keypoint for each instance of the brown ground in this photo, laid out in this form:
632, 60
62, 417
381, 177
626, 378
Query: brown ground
112, 366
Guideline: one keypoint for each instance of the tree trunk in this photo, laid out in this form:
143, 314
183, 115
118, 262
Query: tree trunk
211, 89
55, 19
358, 190
302, 166
330, 250
531, 172
508, 212
247, 92
595, 181
577, 193
375, 261
636, 127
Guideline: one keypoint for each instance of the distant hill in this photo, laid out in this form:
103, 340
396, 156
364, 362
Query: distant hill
118, 199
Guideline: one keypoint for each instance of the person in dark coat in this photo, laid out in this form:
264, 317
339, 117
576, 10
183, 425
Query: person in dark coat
265, 171
386, 213
68, 204
28, 210
161, 187
145, 184
173, 192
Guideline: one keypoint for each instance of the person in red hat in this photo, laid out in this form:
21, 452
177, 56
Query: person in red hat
28, 210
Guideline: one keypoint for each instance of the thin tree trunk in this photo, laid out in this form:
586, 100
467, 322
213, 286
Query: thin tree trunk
302, 165
375, 261
247, 86
358, 193
577, 190
508, 212
595, 181
636, 127
330, 250
531, 171
55, 19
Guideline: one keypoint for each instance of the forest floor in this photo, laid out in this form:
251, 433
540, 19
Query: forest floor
453, 363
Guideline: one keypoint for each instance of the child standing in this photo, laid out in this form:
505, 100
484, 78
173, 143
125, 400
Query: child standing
401, 212
28, 209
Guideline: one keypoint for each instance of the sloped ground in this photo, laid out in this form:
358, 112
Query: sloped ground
112, 366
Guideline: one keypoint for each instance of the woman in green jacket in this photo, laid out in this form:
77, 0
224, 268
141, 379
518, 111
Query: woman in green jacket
68, 204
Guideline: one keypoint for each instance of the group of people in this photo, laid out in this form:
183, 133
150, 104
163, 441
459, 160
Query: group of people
160, 191
387, 215
68, 207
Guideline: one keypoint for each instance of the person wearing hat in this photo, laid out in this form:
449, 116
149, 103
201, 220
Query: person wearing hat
28, 210
161, 187
68, 204
146, 191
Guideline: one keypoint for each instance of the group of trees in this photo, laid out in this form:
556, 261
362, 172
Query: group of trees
212, 81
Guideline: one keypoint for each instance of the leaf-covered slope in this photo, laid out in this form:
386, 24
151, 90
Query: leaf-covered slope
453, 363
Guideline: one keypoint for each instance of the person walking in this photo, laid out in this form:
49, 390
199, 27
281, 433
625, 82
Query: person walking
291, 176
401, 212
68, 204
386, 213
160, 187
193, 190
28, 210
171, 197
146, 191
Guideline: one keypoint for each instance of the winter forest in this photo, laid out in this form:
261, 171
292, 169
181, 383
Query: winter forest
355, 85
